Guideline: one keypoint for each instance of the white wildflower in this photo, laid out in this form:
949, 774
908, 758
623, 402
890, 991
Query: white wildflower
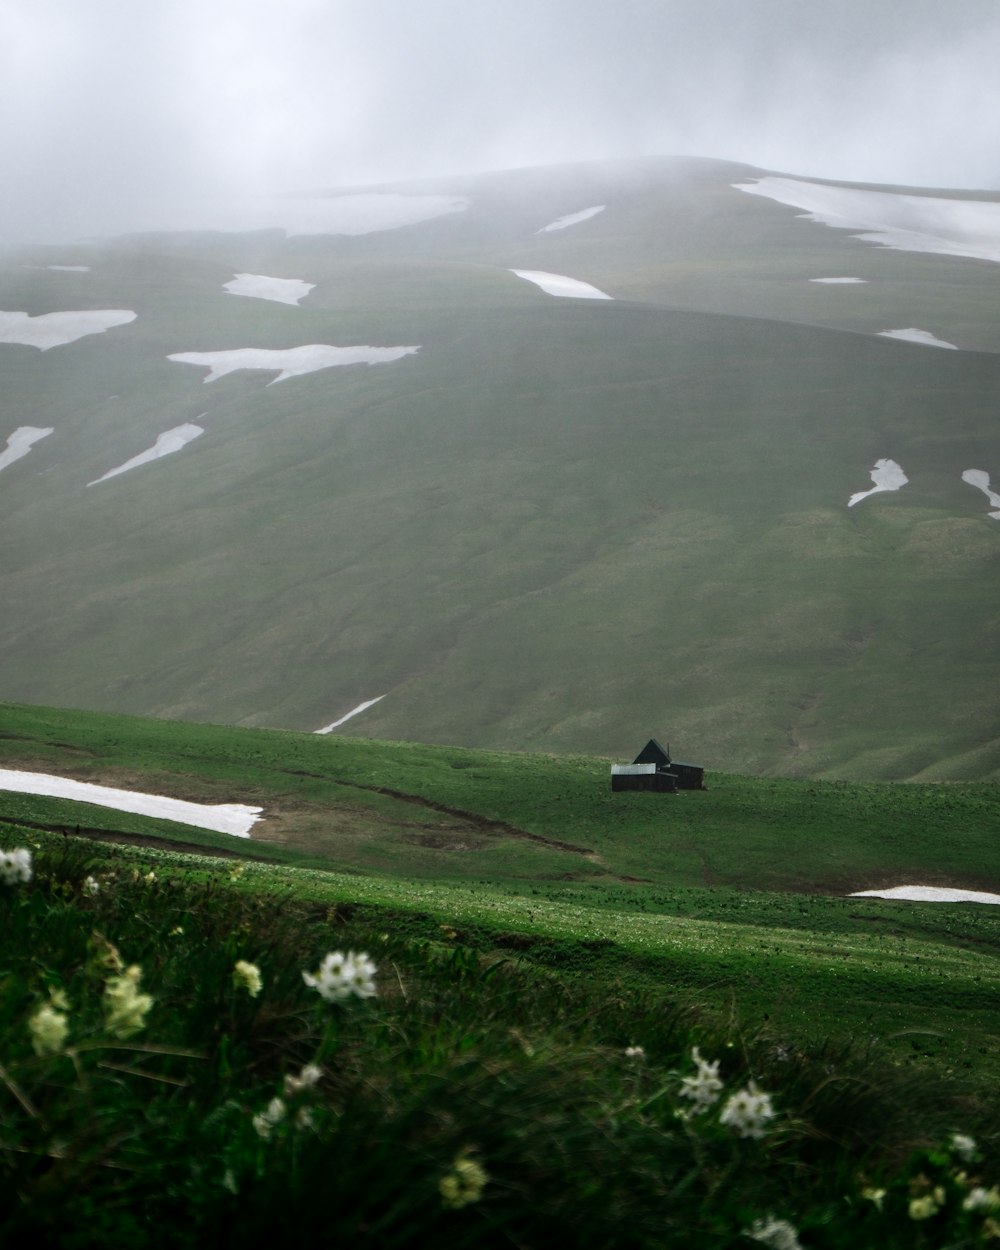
308, 1077
341, 975
963, 1146
124, 1007
49, 1028
15, 866
980, 1199
271, 1116
247, 976
702, 1089
748, 1111
91, 886
463, 1184
635, 1052
923, 1208
778, 1234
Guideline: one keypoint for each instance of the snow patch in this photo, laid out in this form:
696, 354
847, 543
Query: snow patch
57, 328
165, 445
912, 335
20, 443
258, 286
840, 281
887, 475
929, 894
556, 284
289, 362
572, 219
981, 480
234, 818
907, 223
353, 712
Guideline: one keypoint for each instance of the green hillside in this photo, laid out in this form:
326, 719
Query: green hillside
547, 969
740, 889
563, 524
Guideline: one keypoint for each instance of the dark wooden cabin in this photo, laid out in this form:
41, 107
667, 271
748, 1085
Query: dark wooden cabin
642, 777
653, 769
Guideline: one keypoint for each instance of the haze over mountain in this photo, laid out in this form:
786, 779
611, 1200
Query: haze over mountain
128, 117
555, 458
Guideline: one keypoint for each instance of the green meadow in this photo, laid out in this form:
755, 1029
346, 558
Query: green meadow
548, 956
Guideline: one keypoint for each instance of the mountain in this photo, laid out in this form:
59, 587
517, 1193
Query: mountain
552, 459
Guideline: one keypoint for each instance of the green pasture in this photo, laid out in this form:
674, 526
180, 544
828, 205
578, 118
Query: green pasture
734, 897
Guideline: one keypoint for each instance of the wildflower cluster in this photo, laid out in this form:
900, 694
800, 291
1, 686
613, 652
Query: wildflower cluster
778, 1234
748, 1112
936, 1190
49, 1026
247, 976
341, 975
266, 1121
125, 1007
463, 1184
702, 1089
15, 866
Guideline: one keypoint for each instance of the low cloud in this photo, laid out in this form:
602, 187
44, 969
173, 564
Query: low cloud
127, 110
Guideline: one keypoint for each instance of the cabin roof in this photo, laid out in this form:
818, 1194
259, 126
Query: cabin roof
652, 752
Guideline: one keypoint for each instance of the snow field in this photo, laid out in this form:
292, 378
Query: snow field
233, 818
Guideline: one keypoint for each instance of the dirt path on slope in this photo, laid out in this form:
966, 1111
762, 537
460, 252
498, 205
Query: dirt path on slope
482, 824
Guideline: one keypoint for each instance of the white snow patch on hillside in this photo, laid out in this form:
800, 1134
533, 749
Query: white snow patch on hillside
840, 281
929, 894
887, 475
353, 712
907, 223
913, 335
556, 284
259, 286
20, 443
289, 362
572, 219
981, 480
234, 818
165, 445
57, 328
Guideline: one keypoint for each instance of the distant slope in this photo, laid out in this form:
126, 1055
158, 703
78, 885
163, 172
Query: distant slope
531, 822
559, 524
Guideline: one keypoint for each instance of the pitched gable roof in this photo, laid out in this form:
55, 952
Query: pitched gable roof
652, 753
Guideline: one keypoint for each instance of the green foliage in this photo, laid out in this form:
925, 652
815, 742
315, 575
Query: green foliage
735, 894
476, 1100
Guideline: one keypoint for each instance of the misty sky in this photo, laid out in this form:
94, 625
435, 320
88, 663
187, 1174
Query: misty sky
113, 110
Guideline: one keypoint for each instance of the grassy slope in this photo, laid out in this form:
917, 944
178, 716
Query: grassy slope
731, 896
559, 522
